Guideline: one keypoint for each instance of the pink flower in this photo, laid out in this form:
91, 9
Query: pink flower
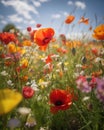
85, 84
100, 89
27, 92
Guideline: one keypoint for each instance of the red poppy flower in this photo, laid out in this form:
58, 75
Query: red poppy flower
38, 25
49, 59
7, 37
43, 36
61, 100
29, 29
69, 19
95, 51
27, 92
32, 34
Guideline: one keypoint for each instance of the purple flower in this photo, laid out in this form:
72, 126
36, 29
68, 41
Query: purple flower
100, 89
15, 57
13, 123
83, 84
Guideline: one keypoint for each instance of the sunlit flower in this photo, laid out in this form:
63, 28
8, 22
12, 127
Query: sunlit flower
84, 20
69, 19
43, 36
26, 43
98, 32
12, 48
27, 92
60, 100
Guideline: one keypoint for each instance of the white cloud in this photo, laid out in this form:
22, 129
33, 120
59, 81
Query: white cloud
65, 13
3, 22
36, 3
15, 18
33, 22
80, 4
23, 8
56, 16
43, 0
70, 3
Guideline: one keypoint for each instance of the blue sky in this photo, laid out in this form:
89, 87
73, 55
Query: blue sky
51, 13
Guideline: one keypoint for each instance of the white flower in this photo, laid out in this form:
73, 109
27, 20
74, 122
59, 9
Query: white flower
24, 110
31, 122
28, 83
47, 66
9, 82
82, 73
41, 128
78, 66
86, 98
97, 59
34, 86
75, 75
4, 73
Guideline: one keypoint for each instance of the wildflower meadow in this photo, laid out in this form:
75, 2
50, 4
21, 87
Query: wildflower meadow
50, 82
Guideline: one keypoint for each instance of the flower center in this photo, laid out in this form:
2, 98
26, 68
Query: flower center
46, 40
58, 103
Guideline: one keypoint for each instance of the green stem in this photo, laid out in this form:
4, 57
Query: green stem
87, 123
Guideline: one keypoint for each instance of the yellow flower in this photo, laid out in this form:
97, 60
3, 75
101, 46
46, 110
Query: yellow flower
26, 43
9, 99
24, 63
21, 50
41, 83
66, 63
11, 48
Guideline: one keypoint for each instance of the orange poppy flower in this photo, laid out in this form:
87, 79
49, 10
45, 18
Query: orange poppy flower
69, 19
26, 43
73, 44
62, 50
61, 100
84, 20
99, 32
97, 73
12, 48
43, 36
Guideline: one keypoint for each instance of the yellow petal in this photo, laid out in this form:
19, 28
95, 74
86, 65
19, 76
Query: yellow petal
9, 99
